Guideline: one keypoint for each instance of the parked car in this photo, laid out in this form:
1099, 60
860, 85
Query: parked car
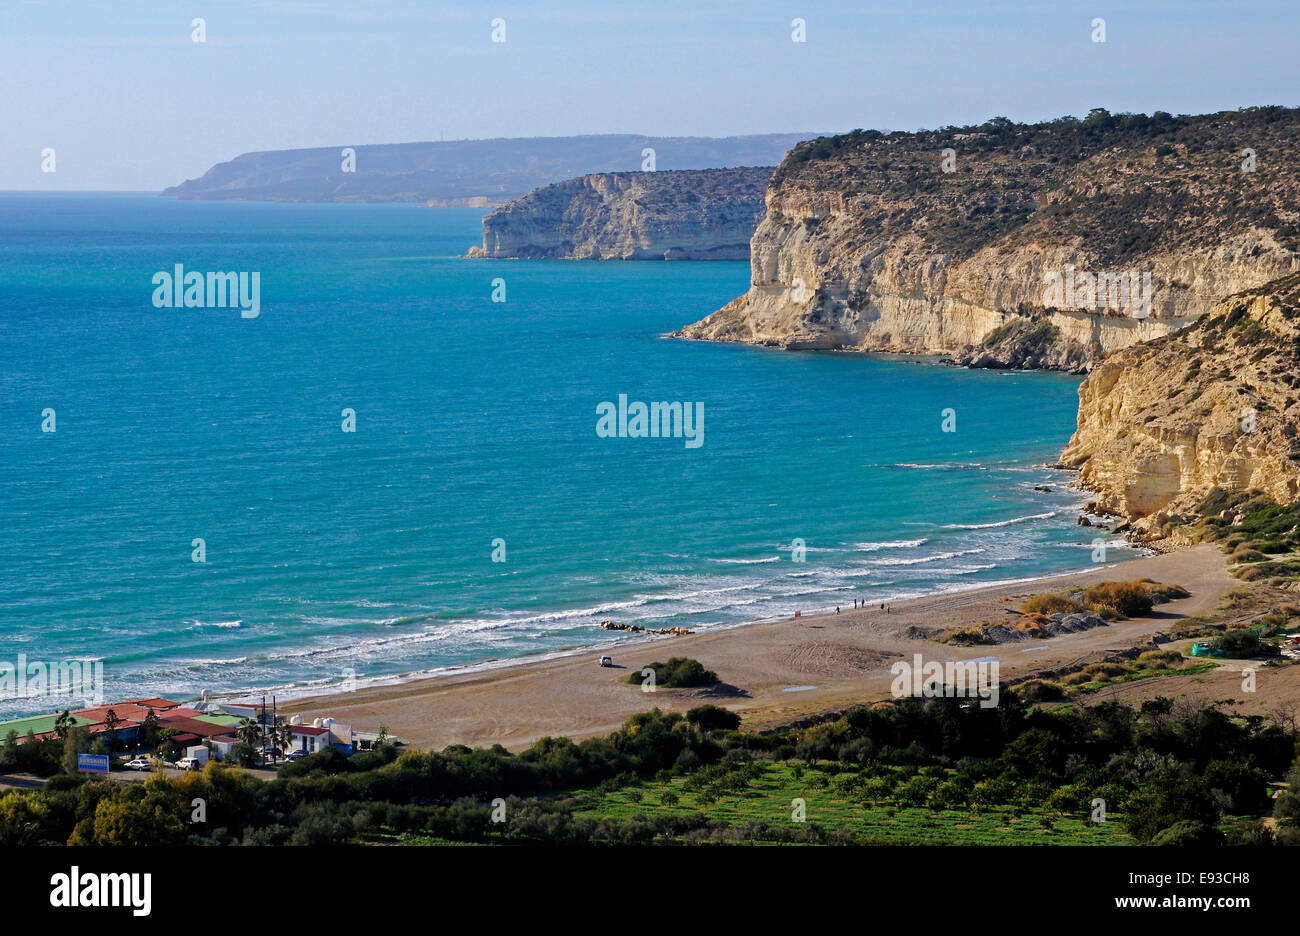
188, 763
140, 763
606, 661
295, 755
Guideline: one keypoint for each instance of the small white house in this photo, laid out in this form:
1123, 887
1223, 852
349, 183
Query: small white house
309, 738
221, 745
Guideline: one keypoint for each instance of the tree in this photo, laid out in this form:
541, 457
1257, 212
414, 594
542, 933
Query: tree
150, 729
249, 731
23, 819
63, 723
9, 753
1097, 117
76, 741
284, 736
243, 754
135, 816
1161, 804
111, 723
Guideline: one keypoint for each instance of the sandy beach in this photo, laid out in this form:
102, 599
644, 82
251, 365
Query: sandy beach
772, 672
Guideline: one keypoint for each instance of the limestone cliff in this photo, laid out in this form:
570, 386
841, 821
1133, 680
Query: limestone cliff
1215, 406
704, 214
1018, 245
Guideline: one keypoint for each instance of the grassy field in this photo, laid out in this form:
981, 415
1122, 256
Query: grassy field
1191, 669
767, 799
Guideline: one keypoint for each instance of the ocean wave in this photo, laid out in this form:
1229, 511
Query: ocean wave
224, 624
1000, 523
748, 561
890, 544
1109, 544
918, 560
323, 621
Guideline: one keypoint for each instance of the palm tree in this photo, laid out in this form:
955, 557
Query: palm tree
249, 731
284, 736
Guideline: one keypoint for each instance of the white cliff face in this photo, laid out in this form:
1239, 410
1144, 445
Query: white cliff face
1216, 406
822, 277
957, 241
707, 214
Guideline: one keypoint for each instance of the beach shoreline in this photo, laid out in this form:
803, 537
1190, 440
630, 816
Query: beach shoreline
772, 671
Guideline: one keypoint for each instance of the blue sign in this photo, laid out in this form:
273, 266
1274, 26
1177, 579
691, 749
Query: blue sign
93, 763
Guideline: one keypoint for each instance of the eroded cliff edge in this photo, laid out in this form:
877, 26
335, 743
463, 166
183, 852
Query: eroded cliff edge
1161, 425
700, 214
869, 243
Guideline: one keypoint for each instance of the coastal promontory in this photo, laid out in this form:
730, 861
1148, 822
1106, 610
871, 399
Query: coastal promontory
1162, 425
1013, 245
705, 214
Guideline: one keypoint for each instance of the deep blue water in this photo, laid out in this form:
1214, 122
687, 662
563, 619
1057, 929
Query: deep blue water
371, 552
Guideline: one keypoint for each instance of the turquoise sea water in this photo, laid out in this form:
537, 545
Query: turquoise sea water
369, 554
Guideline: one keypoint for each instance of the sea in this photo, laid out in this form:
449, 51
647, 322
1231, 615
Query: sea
393, 467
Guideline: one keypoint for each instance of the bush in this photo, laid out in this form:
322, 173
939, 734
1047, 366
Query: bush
1121, 599
1189, 833
1242, 644
1050, 604
713, 718
1039, 690
1161, 659
678, 673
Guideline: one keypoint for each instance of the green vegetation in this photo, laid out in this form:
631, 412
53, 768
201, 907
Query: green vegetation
913, 771
1155, 663
1161, 176
1261, 536
755, 800
678, 673
1244, 644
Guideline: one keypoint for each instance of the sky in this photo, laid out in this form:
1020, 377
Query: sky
128, 100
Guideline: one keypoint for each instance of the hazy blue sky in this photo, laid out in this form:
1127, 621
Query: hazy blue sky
129, 101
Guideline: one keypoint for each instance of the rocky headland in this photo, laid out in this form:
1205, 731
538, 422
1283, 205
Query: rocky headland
470, 173
1012, 245
1164, 424
704, 214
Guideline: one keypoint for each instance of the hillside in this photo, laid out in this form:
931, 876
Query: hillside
1162, 425
477, 173
704, 214
869, 244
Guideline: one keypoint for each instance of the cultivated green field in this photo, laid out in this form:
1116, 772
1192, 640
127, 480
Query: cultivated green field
766, 801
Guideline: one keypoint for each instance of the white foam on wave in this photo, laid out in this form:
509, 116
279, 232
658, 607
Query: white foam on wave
324, 621
1000, 523
890, 544
918, 560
